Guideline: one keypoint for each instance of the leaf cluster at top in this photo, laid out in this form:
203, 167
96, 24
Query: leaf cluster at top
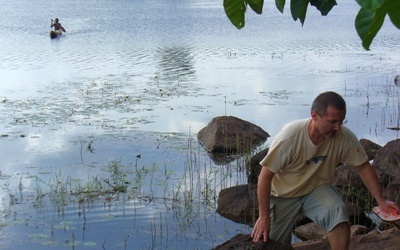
368, 21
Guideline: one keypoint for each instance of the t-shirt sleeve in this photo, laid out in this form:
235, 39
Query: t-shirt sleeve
284, 146
278, 155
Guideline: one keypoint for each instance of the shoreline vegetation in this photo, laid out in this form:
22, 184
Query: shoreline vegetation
190, 197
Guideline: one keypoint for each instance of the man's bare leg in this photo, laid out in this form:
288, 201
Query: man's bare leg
339, 237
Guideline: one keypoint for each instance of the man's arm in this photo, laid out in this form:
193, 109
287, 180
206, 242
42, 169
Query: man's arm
262, 225
62, 28
370, 179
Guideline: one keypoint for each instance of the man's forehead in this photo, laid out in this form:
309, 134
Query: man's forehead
332, 111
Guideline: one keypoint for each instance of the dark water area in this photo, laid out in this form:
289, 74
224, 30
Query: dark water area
120, 97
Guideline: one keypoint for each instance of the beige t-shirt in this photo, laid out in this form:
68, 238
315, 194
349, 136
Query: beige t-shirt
300, 166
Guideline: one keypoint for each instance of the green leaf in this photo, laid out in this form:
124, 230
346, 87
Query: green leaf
363, 20
256, 5
368, 23
280, 5
298, 9
235, 10
394, 13
324, 6
369, 4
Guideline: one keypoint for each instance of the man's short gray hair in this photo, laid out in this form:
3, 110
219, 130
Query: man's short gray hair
326, 99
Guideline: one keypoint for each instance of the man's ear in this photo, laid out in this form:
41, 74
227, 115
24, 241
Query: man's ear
313, 115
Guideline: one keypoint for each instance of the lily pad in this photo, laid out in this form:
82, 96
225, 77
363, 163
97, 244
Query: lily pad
90, 244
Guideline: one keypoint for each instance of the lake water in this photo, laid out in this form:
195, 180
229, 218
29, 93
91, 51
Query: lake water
132, 82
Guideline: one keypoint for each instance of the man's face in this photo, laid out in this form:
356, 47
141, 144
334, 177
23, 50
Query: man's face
330, 122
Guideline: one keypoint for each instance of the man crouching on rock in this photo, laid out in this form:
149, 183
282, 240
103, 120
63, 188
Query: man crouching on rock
298, 170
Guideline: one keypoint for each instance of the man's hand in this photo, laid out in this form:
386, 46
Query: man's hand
370, 179
389, 206
263, 223
261, 229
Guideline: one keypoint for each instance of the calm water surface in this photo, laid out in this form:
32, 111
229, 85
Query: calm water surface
140, 78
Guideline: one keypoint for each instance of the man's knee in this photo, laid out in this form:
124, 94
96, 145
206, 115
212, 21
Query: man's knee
326, 208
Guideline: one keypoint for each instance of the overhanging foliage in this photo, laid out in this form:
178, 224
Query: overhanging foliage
368, 21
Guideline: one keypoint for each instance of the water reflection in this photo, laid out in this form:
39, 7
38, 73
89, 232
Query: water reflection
76, 203
176, 64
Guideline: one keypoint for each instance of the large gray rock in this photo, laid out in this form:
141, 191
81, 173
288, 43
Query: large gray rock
310, 231
245, 242
392, 191
312, 245
370, 147
388, 158
239, 204
374, 240
253, 166
387, 240
230, 135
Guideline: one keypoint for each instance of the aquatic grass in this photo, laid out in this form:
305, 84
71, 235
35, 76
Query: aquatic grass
360, 197
384, 94
189, 196
390, 115
7, 189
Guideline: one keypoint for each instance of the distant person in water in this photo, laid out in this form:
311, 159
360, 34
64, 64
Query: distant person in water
57, 25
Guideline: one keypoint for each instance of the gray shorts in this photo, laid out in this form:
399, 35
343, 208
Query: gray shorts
324, 206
